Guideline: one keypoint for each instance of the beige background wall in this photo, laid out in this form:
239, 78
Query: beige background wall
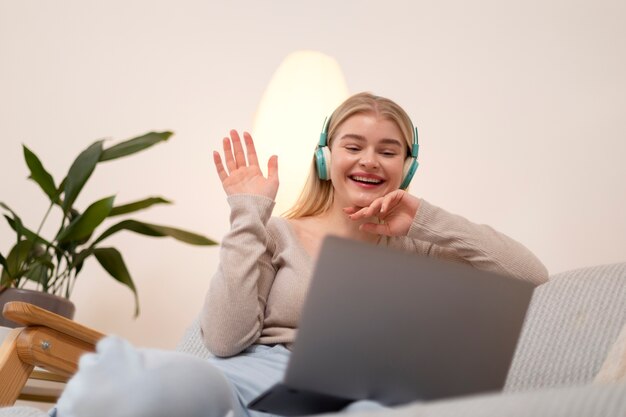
521, 107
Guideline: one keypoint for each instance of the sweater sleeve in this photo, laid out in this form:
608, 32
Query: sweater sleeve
233, 312
454, 237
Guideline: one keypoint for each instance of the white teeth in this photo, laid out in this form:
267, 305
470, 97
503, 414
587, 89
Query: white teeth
366, 179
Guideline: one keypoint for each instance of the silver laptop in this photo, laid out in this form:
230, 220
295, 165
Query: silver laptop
394, 327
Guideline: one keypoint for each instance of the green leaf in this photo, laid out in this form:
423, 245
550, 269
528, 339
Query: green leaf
134, 145
183, 235
27, 233
17, 257
137, 205
40, 271
39, 174
156, 231
3, 261
15, 223
79, 259
112, 261
84, 225
5, 279
79, 173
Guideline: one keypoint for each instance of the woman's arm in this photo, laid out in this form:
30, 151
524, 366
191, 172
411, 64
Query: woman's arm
451, 236
232, 317
233, 312
455, 237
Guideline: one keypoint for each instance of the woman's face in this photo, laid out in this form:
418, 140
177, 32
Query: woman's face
367, 159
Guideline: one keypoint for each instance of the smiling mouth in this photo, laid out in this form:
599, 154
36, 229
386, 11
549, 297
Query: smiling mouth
365, 180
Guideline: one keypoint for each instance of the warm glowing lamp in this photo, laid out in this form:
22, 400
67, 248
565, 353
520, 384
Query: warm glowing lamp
306, 87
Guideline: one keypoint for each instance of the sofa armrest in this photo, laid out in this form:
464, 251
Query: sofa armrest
573, 321
577, 401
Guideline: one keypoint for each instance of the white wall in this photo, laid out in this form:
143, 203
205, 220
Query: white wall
521, 108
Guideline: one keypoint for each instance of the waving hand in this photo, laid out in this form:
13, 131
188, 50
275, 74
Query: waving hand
241, 176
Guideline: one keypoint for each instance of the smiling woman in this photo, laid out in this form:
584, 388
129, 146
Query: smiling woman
365, 159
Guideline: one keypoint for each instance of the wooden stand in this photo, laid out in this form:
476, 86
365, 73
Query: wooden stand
48, 341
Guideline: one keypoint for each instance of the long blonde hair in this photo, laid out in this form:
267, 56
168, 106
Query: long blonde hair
317, 195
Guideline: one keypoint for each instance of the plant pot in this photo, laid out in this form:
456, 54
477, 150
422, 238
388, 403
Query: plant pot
54, 303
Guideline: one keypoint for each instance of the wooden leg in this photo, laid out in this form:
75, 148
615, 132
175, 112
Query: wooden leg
13, 372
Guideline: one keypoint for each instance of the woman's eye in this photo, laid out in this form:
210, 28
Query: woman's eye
389, 153
352, 148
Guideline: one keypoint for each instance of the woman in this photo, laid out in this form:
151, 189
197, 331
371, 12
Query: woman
253, 306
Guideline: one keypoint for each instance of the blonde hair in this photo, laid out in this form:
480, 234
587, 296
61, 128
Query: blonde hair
317, 195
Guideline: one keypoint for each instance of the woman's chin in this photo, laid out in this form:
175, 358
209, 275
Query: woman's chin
362, 200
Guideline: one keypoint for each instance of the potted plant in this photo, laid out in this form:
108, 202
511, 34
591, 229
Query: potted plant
52, 265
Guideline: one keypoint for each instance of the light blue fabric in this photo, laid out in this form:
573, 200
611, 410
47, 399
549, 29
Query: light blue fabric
123, 381
252, 372
119, 380
257, 369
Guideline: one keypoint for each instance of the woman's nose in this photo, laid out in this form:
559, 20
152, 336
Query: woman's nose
369, 160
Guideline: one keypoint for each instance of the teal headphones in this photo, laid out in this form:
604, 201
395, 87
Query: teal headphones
322, 157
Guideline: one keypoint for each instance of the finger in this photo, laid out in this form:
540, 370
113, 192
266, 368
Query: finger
391, 200
250, 149
240, 156
354, 212
360, 213
228, 155
372, 210
221, 172
272, 168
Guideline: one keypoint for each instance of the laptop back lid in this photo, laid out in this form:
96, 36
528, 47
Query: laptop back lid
396, 327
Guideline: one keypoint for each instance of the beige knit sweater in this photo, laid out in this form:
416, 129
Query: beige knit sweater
257, 293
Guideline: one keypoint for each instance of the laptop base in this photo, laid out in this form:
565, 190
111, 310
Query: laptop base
287, 401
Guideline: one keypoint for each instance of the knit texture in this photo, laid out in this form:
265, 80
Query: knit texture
191, 342
577, 401
21, 411
614, 366
573, 321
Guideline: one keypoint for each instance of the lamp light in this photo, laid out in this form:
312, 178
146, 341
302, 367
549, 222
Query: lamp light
306, 87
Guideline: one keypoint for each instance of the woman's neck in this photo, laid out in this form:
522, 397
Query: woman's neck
337, 222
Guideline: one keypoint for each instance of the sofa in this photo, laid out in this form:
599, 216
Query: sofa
570, 360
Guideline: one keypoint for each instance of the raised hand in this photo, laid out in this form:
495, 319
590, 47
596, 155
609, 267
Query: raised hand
241, 176
396, 209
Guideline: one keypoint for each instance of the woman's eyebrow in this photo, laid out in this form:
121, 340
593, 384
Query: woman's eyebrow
387, 141
352, 136
390, 141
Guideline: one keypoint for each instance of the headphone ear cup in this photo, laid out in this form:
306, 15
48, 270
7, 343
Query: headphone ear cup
410, 167
322, 162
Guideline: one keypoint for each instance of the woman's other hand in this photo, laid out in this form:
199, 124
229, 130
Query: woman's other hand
396, 210
241, 176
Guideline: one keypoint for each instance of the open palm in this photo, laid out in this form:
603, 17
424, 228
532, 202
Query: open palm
241, 175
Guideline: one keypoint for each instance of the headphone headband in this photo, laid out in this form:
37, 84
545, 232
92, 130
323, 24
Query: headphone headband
324, 135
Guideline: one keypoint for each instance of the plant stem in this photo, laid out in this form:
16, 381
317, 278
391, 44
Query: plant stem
45, 217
